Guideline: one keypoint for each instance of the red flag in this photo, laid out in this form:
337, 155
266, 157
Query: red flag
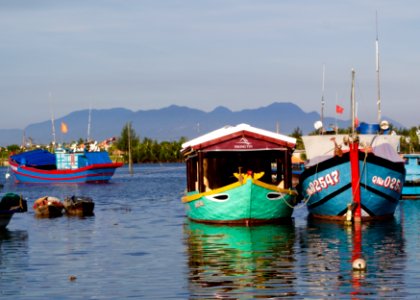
339, 109
356, 122
64, 128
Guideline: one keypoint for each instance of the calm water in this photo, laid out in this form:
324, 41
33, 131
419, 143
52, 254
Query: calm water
140, 245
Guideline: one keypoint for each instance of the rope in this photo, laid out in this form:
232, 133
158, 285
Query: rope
20, 202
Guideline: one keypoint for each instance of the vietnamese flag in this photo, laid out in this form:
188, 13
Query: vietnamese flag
64, 128
339, 109
356, 122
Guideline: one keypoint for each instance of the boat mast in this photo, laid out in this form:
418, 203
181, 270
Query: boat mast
353, 103
354, 158
377, 72
322, 98
52, 121
89, 123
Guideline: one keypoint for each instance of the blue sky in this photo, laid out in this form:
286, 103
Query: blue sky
64, 56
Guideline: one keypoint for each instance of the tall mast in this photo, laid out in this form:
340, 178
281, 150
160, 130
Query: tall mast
322, 97
89, 123
353, 103
52, 121
377, 72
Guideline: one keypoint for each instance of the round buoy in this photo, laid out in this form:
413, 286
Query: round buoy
359, 264
72, 277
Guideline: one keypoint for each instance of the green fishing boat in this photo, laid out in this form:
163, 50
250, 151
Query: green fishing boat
239, 174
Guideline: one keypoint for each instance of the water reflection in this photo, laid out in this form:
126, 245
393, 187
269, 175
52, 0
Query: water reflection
240, 262
329, 248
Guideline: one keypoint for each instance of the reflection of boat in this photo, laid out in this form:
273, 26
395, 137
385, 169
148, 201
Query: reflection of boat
411, 187
239, 174
41, 166
328, 249
48, 206
359, 173
231, 261
9, 205
79, 205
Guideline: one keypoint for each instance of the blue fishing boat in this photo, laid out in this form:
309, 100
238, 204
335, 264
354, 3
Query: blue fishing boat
239, 174
359, 175
63, 166
411, 189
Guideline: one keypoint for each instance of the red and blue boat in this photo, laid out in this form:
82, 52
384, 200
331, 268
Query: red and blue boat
62, 166
355, 176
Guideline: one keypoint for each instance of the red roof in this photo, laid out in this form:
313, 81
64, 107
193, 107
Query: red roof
242, 137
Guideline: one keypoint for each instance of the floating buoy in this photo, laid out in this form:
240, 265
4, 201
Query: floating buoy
72, 277
359, 264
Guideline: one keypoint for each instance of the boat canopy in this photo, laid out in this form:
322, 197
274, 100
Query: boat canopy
33, 158
242, 137
101, 157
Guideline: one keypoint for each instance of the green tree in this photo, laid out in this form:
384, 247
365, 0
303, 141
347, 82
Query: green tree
128, 138
297, 134
13, 148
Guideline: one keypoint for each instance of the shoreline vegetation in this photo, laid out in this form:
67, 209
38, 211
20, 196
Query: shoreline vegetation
149, 150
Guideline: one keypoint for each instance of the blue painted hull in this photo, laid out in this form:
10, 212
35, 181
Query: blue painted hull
412, 180
326, 187
92, 174
411, 192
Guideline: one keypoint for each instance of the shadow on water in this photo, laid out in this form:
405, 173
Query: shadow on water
235, 262
13, 257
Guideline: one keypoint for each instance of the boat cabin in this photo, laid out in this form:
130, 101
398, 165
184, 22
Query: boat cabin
213, 159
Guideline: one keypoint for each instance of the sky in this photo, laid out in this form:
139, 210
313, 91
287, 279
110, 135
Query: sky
60, 56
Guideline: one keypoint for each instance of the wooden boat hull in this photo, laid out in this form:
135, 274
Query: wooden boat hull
97, 173
77, 206
327, 190
249, 202
49, 207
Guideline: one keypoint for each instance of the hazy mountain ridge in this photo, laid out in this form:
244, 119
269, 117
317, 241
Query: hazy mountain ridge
169, 123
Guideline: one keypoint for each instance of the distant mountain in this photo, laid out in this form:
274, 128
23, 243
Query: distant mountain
169, 123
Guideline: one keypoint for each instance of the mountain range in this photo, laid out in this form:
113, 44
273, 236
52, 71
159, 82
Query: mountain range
167, 124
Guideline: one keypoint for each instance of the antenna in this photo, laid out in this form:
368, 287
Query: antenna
52, 120
353, 104
322, 97
377, 71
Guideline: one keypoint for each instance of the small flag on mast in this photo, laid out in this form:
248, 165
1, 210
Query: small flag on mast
339, 109
64, 128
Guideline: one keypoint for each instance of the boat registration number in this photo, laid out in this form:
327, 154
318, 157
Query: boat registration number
323, 182
389, 182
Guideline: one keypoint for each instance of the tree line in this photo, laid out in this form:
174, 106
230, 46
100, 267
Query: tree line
148, 150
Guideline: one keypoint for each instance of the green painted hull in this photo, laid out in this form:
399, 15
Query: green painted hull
247, 203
